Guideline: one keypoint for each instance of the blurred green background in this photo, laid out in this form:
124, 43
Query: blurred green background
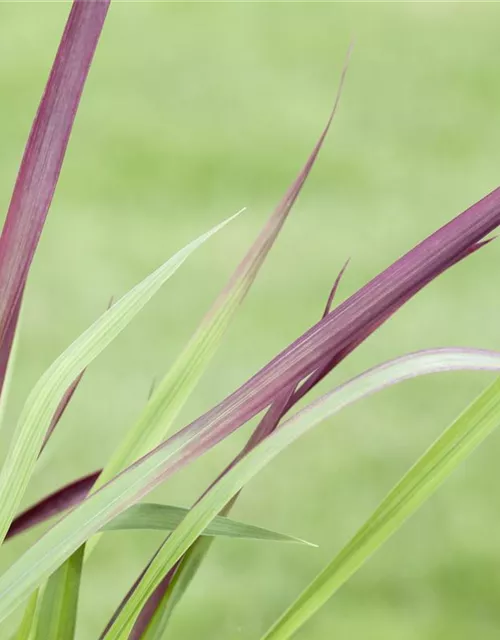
191, 111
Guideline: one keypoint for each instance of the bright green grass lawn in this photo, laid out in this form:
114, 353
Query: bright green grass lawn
191, 112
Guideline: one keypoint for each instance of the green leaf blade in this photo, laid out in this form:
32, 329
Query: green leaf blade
366, 384
163, 517
59, 603
45, 398
172, 393
421, 481
27, 628
41, 559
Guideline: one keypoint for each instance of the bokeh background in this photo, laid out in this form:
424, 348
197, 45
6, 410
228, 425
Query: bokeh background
191, 111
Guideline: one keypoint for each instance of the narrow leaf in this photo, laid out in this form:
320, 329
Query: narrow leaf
171, 394
36, 183
417, 486
335, 334
44, 154
129, 487
275, 412
27, 628
152, 622
355, 318
366, 384
153, 619
47, 395
163, 517
52, 505
371, 326
59, 604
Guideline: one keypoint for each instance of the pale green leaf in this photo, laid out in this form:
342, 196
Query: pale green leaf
165, 405
59, 603
167, 517
368, 383
48, 392
129, 487
172, 393
417, 486
27, 628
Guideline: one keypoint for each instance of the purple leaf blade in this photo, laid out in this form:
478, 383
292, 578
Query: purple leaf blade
155, 614
364, 385
362, 312
44, 153
176, 387
368, 311
52, 505
153, 619
101, 507
73, 493
245, 275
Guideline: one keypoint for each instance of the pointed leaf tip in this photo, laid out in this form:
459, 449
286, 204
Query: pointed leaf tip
333, 291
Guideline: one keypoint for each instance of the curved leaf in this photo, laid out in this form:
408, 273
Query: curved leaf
164, 517
220, 494
421, 481
42, 403
129, 487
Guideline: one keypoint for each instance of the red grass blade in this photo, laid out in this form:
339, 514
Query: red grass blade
350, 322
331, 363
333, 292
53, 505
353, 320
250, 264
276, 412
44, 154
335, 336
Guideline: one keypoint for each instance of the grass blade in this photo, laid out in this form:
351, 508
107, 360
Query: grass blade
33, 192
153, 620
47, 395
366, 384
334, 336
154, 617
44, 153
248, 267
417, 486
163, 517
129, 487
27, 628
59, 602
52, 505
171, 394
168, 399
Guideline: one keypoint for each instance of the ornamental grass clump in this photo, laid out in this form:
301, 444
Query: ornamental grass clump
45, 579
